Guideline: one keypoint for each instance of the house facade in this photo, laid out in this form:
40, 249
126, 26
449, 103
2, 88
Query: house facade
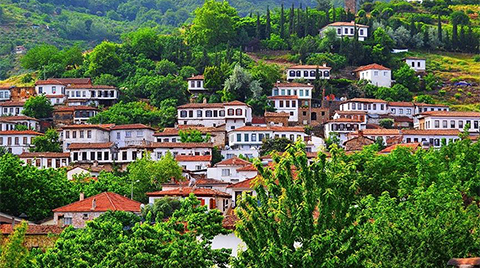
290, 97
417, 64
53, 89
195, 84
370, 106
232, 170
131, 134
432, 137
308, 72
91, 95
17, 142
346, 29
45, 159
448, 120
159, 149
85, 134
196, 163
5, 93
68, 115
11, 108
11, 122
375, 74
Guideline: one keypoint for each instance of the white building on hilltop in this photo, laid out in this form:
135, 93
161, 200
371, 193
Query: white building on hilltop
308, 72
417, 64
376, 74
346, 29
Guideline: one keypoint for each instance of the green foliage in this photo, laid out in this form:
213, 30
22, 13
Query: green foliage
240, 85
30, 190
386, 123
407, 77
260, 105
118, 239
38, 107
104, 59
51, 61
432, 82
21, 127
335, 61
476, 58
424, 99
274, 145
442, 92
275, 43
105, 182
266, 74
193, 135
162, 208
165, 67
13, 253
47, 143
396, 93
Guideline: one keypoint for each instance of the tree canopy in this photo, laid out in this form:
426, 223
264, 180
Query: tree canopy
38, 107
47, 143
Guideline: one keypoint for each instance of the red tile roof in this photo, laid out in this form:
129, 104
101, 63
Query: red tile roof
196, 77
235, 102
16, 118
234, 161
400, 103
309, 67
345, 120
373, 66
258, 120
293, 84
451, 114
103, 202
74, 108
131, 126
169, 131
414, 58
378, 132
55, 96
96, 145
288, 97
201, 105
88, 86
280, 114
48, 82
193, 158
413, 146
33, 229
432, 132
44, 155
342, 23
182, 145
246, 184
74, 80
105, 127
250, 167
270, 128
350, 112
11, 103
20, 132
365, 100
429, 105
185, 191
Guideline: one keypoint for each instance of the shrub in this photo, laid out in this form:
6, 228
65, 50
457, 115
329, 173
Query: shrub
335, 61
458, 96
476, 58
442, 92
469, 94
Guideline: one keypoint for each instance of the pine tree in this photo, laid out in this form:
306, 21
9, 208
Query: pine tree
439, 28
291, 21
299, 21
426, 38
268, 26
413, 28
257, 28
282, 23
306, 24
454, 35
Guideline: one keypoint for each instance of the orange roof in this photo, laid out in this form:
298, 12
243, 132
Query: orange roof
48, 82
106, 127
74, 108
16, 118
414, 58
96, 145
33, 229
90, 86
373, 66
366, 100
169, 131
246, 184
309, 67
292, 84
199, 182
102, 202
20, 132
379, 132
196, 77
452, 114
270, 128
342, 23
284, 97
432, 132
131, 126
429, 105
74, 80
280, 114
44, 154
250, 167
345, 120
412, 146
12, 103
55, 96
182, 145
234, 161
185, 191
193, 158
400, 103
201, 105
350, 112
235, 102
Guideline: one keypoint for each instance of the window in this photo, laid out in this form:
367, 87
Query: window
245, 136
40, 90
199, 84
192, 83
25, 140
190, 114
124, 155
84, 93
92, 155
305, 73
292, 73
400, 111
351, 31
85, 216
225, 172
409, 111
374, 106
67, 134
238, 111
393, 110
307, 92
437, 123
444, 124
199, 113
221, 113
282, 92
460, 124
354, 106
275, 92
118, 135
375, 73
301, 92
287, 104
346, 30
1, 140
77, 93
413, 64
128, 134
260, 136
67, 221
361, 31
134, 156
326, 73
183, 113
99, 155
339, 31
475, 125
254, 137
82, 134
298, 73
452, 123
75, 156
105, 155
239, 137
54, 90
312, 74
294, 103
418, 64
208, 113
140, 133
230, 111
280, 103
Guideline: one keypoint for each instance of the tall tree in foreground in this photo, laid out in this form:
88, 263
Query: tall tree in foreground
38, 107
47, 143
13, 253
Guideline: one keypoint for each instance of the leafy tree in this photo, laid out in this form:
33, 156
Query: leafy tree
406, 76
386, 123
30, 190
396, 93
214, 24
104, 59
193, 135
47, 143
274, 145
266, 74
424, 99
105, 182
162, 208
20, 127
38, 107
118, 239
13, 253
215, 76
165, 67
40, 56
240, 85
144, 41
187, 71
260, 105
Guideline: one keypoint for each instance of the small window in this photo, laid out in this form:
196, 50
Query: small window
67, 221
238, 111
225, 172
128, 134
208, 113
239, 137
183, 113
199, 113
85, 216
245, 136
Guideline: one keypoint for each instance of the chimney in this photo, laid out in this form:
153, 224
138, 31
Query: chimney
94, 204
82, 196
204, 100
360, 133
95, 163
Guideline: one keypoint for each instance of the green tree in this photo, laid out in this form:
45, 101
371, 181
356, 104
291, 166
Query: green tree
215, 76
274, 145
30, 190
162, 208
47, 143
407, 77
386, 123
165, 67
104, 59
424, 99
240, 85
396, 93
214, 24
38, 107
13, 253
193, 135
40, 56
144, 41
105, 182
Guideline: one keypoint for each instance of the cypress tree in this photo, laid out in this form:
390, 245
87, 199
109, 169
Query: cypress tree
426, 38
268, 26
299, 21
291, 23
306, 24
439, 28
464, 41
413, 28
282, 23
454, 35
257, 28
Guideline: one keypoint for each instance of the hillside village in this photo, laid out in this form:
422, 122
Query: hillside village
218, 123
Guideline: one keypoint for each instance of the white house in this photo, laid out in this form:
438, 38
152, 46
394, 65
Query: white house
400, 108
100, 152
10, 122
434, 137
131, 134
17, 142
376, 74
417, 64
233, 114
213, 199
87, 94
448, 120
85, 134
195, 84
342, 127
194, 162
346, 29
45, 159
426, 107
308, 72
176, 148
231, 170
53, 89
370, 106
11, 108
5, 93
289, 97
73, 114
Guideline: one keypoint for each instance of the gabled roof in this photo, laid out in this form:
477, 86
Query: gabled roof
378, 132
101, 203
131, 126
246, 184
413, 146
89, 86
105, 127
270, 128
16, 118
96, 145
250, 167
201, 105
44, 155
373, 66
309, 67
234, 161
431, 132
182, 145
401, 104
196, 77
20, 132
451, 114
413, 58
48, 82
235, 103
12, 103
193, 158
367, 100
76, 81
342, 23
293, 84
185, 191
74, 108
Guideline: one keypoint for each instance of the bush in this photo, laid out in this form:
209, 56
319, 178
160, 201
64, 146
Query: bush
458, 96
442, 92
335, 61
275, 43
476, 58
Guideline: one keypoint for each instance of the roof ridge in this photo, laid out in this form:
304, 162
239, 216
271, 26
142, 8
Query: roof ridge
110, 200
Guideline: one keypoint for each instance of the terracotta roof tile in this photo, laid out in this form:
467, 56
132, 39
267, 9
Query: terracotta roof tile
104, 201
413, 146
185, 191
75, 80
288, 97
365, 100
131, 126
246, 184
258, 120
88, 86
182, 145
201, 105
196, 77
274, 114
105, 127
373, 66
235, 102
44, 154
270, 128
199, 182
193, 158
12, 103
421, 104
33, 229
342, 23
74, 108
292, 84
309, 67
345, 120
432, 132
16, 118
451, 114
48, 82
250, 167
400, 103
20, 132
234, 161
96, 145
379, 132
